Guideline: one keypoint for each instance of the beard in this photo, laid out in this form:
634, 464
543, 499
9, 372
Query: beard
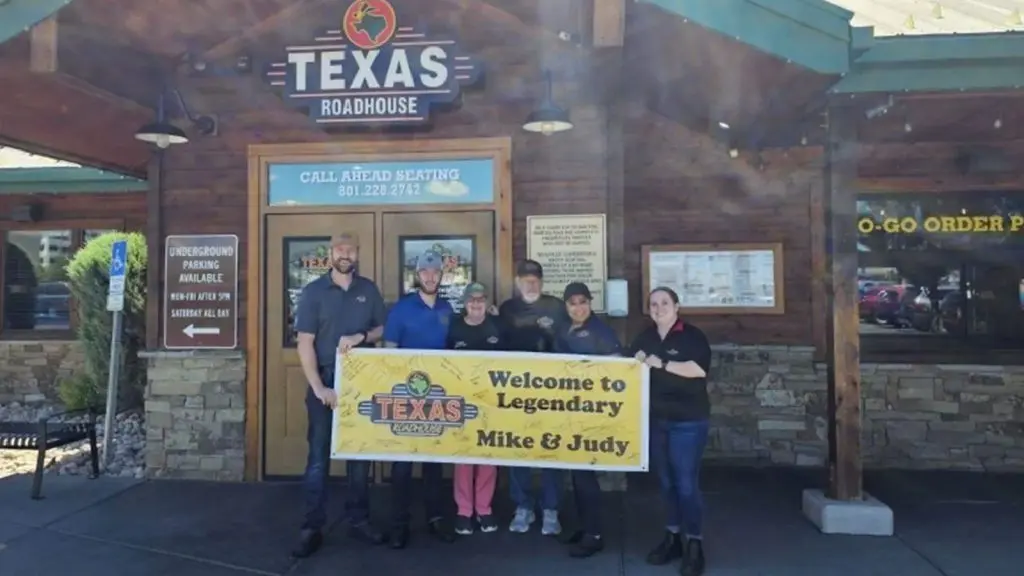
529, 298
429, 291
344, 266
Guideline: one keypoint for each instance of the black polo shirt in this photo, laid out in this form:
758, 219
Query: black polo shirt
592, 338
483, 336
532, 327
673, 397
329, 312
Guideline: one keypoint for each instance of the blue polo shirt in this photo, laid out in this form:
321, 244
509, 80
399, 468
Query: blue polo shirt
593, 338
413, 324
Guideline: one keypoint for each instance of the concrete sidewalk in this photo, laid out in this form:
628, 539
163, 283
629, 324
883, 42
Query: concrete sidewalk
947, 524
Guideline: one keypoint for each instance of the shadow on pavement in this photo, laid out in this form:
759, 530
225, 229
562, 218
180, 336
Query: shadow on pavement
947, 524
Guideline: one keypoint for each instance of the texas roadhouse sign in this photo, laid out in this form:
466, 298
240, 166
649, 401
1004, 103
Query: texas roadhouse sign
371, 70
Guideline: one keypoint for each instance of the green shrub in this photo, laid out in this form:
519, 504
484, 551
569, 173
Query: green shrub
88, 274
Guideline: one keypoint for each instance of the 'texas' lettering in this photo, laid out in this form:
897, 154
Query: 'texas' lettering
372, 70
418, 408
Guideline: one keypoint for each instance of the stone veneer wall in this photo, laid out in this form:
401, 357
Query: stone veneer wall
195, 415
31, 370
769, 406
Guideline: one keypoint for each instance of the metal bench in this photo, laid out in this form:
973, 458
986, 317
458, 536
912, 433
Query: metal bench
50, 431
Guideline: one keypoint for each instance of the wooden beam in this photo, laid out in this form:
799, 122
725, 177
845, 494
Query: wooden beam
843, 325
1011, 182
43, 46
154, 240
609, 23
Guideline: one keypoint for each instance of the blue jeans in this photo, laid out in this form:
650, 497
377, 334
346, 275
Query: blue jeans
521, 487
676, 452
318, 467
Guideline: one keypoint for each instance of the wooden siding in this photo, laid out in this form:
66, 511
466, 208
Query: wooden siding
205, 181
682, 187
65, 210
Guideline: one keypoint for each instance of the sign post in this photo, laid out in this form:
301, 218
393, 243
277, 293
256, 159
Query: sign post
201, 292
115, 304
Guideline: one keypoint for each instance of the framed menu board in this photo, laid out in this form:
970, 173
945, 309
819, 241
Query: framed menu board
717, 278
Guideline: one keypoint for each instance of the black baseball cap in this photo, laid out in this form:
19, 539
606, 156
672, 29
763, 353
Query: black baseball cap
576, 289
529, 268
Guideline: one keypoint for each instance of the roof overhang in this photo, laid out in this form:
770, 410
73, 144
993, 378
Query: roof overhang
66, 179
817, 35
811, 33
16, 16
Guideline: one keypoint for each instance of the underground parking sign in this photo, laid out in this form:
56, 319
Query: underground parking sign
372, 67
201, 291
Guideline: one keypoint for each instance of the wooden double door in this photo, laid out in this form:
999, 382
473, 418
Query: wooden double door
297, 251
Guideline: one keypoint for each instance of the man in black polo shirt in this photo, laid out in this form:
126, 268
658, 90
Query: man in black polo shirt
338, 311
529, 324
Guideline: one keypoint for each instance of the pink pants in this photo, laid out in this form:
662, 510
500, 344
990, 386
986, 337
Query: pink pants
469, 497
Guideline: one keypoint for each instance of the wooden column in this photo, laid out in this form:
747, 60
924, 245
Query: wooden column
154, 243
842, 333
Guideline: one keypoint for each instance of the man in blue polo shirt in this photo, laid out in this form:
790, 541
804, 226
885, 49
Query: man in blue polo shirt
338, 311
419, 321
585, 334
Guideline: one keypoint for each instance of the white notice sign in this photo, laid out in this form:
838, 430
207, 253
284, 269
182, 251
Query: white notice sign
717, 279
571, 249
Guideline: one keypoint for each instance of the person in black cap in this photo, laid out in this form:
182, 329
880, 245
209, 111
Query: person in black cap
585, 334
530, 321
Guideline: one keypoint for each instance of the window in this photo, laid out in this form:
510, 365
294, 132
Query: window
305, 260
941, 272
36, 293
458, 259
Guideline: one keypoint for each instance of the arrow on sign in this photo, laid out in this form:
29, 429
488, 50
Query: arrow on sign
191, 331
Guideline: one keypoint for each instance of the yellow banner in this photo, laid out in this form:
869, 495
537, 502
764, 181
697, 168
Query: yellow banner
503, 408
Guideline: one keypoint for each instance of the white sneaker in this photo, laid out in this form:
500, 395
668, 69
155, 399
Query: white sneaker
551, 526
523, 519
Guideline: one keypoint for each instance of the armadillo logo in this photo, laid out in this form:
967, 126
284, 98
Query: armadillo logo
368, 68
370, 24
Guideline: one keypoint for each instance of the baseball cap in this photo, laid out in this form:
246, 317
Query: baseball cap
345, 239
429, 260
473, 290
576, 289
529, 268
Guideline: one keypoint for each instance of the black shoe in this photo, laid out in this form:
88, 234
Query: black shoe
309, 543
668, 550
463, 525
487, 523
570, 537
366, 533
587, 546
399, 538
441, 531
693, 560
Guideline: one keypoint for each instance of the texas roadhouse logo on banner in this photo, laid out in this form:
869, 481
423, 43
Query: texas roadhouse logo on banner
369, 69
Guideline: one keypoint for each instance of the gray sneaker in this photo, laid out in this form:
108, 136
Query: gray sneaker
523, 519
551, 526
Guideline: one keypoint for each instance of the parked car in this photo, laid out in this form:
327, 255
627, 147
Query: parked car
881, 304
887, 303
